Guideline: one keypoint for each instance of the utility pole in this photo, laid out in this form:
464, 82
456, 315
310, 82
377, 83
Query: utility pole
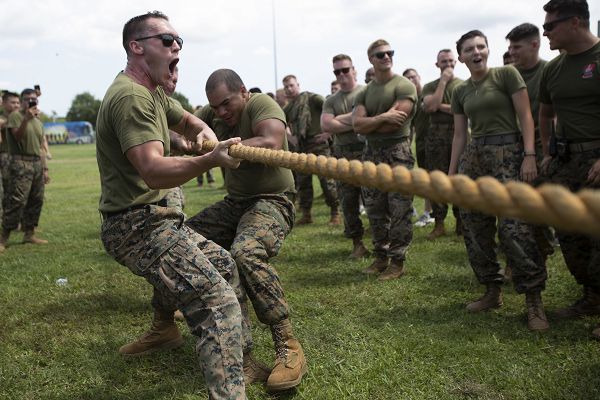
275, 46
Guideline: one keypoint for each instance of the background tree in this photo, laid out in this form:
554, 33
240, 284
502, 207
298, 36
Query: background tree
84, 108
185, 103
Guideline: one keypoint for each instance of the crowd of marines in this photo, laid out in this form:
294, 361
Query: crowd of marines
529, 120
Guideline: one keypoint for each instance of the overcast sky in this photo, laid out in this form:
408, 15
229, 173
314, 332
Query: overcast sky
69, 47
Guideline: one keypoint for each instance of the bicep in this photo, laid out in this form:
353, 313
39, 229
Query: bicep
405, 105
272, 130
144, 156
521, 101
326, 120
460, 125
546, 111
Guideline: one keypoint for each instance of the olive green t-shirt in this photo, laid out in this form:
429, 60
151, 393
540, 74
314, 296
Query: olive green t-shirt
338, 104
532, 79
440, 117
31, 142
130, 115
571, 84
250, 178
378, 98
488, 102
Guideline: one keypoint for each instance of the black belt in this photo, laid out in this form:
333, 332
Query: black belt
110, 214
25, 157
497, 140
584, 146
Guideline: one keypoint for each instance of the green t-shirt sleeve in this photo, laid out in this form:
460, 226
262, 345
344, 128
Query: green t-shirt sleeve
207, 115
263, 107
457, 106
359, 100
316, 101
174, 111
14, 120
136, 121
544, 94
328, 105
512, 79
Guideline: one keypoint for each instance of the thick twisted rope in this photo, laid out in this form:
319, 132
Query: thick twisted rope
549, 204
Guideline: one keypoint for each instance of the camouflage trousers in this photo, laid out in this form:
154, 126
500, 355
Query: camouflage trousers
305, 181
193, 274
420, 152
350, 196
438, 149
25, 195
5, 173
389, 213
253, 229
502, 162
581, 252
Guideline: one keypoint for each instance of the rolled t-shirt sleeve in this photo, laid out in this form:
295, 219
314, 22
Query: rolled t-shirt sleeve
138, 123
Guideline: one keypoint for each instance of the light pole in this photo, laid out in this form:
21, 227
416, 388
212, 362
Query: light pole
274, 46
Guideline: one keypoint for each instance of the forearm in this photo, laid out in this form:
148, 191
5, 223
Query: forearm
366, 125
169, 172
190, 126
446, 108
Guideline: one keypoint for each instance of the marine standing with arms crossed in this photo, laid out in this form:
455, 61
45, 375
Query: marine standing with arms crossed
383, 112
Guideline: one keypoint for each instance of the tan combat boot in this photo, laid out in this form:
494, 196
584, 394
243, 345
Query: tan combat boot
290, 364
359, 250
254, 371
306, 218
335, 217
394, 271
491, 299
163, 335
588, 305
30, 237
536, 317
4, 240
178, 316
438, 230
377, 266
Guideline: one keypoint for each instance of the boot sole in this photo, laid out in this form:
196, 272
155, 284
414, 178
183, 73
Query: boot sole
172, 344
289, 384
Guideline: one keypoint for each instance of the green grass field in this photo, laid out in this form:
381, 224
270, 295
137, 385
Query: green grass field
404, 339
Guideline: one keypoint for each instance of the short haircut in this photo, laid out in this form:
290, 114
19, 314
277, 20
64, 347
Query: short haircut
27, 91
444, 51
334, 82
255, 90
288, 77
228, 77
136, 27
577, 8
524, 31
341, 57
407, 70
467, 36
376, 44
6, 95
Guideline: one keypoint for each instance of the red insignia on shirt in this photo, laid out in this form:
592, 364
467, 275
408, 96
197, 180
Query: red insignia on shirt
588, 71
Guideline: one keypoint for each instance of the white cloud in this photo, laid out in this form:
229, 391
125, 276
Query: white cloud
72, 46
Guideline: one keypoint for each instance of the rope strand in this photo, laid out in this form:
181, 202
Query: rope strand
548, 204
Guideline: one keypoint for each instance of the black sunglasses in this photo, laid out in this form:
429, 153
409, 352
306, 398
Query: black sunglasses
167, 39
549, 26
381, 54
344, 70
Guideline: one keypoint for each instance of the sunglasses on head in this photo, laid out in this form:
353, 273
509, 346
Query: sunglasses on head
167, 39
344, 70
381, 54
549, 26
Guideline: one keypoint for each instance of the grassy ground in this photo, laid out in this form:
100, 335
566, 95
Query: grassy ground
405, 339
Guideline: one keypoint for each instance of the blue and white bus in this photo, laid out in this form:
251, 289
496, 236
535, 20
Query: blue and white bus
78, 132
